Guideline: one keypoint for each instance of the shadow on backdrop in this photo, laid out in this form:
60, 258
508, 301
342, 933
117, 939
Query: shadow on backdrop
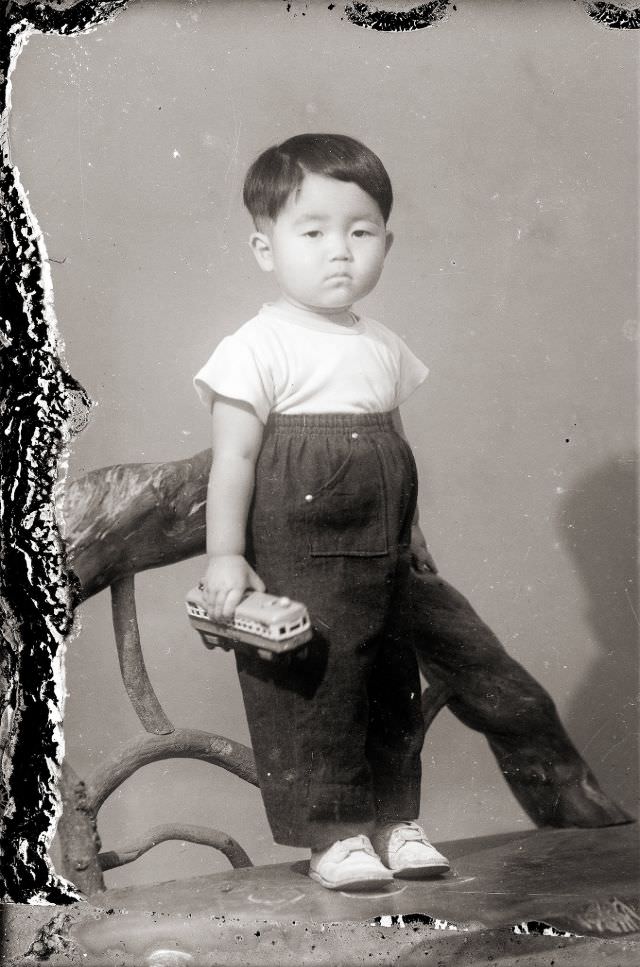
598, 519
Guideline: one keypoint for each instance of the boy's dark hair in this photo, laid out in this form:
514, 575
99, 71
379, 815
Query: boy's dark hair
280, 170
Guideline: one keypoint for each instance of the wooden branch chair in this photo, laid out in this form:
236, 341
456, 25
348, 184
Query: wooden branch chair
127, 518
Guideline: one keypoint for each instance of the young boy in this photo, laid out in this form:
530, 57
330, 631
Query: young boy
312, 495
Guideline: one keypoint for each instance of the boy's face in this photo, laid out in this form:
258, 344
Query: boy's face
327, 246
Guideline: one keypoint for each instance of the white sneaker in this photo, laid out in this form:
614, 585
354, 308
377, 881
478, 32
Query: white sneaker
350, 864
405, 849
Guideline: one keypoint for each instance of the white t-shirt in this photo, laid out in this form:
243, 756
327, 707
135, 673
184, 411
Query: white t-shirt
287, 360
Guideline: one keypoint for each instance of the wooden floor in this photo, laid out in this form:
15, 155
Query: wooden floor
584, 882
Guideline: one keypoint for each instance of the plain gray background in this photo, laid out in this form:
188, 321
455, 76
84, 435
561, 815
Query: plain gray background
510, 134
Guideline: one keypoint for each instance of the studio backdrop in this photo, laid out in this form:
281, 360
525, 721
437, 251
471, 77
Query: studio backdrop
510, 134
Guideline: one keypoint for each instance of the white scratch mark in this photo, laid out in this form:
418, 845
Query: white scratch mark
594, 736
81, 167
611, 748
635, 614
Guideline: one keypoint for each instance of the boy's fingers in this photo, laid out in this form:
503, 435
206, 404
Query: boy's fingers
423, 562
217, 604
231, 602
429, 561
256, 582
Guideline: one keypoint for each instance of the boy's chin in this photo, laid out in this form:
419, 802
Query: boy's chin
337, 300
323, 305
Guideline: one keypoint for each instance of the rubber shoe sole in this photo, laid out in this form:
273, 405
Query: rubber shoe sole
421, 872
355, 883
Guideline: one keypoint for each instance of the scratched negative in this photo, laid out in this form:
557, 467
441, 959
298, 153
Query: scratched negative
43, 409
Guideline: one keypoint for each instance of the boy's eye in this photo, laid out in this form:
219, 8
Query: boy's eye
313, 233
361, 233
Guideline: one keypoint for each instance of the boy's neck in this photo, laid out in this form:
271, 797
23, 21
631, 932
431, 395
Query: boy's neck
343, 316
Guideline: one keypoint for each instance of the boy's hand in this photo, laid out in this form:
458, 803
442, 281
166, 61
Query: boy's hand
228, 577
420, 557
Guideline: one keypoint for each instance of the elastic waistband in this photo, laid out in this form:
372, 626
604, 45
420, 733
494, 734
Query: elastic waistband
323, 422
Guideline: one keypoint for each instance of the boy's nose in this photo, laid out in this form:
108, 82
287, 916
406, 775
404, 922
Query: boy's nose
340, 250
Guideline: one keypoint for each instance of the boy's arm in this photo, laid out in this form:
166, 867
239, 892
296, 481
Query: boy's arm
237, 438
420, 555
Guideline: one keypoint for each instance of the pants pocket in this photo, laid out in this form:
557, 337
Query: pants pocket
347, 516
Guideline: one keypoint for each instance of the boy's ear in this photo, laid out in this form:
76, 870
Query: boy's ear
388, 242
261, 248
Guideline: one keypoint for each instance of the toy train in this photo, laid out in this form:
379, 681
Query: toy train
274, 626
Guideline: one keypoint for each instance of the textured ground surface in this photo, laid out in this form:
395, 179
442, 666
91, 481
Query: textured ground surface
581, 881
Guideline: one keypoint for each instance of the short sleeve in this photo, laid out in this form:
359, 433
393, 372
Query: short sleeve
412, 373
235, 370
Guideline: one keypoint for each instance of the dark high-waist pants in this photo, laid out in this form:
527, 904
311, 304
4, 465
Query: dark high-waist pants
337, 733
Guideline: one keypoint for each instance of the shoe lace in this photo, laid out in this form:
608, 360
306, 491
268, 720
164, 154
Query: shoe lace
407, 832
356, 844
411, 835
